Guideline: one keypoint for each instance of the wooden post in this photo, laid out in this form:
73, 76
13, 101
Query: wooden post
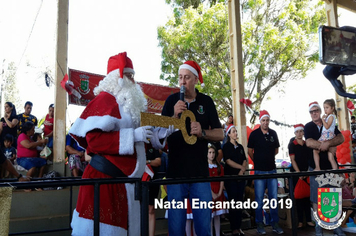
236, 67
59, 137
342, 112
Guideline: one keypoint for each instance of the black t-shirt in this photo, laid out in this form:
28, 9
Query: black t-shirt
264, 149
234, 153
312, 131
185, 160
301, 153
7, 130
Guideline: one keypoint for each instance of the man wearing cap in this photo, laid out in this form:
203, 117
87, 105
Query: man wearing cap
312, 133
263, 146
108, 129
187, 160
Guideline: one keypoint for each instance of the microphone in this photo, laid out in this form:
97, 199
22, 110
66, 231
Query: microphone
182, 92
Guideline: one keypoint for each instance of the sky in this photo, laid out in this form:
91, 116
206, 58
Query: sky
100, 29
96, 31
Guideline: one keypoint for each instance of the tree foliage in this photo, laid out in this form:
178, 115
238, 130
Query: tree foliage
279, 44
9, 87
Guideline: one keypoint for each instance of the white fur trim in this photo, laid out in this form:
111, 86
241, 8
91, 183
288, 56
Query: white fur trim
298, 128
212, 166
263, 116
314, 105
105, 123
188, 67
84, 227
129, 70
134, 216
141, 160
126, 141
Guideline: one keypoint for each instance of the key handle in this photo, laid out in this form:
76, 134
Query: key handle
165, 122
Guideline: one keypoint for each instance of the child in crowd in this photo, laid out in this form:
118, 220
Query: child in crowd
215, 169
38, 137
76, 157
329, 121
9, 152
48, 126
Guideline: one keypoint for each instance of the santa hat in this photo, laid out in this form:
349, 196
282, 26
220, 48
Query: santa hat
193, 67
121, 62
263, 114
314, 104
228, 128
298, 127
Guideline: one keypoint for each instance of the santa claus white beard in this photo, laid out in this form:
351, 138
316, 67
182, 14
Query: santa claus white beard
128, 94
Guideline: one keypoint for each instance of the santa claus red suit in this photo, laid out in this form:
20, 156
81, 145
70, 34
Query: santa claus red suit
109, 127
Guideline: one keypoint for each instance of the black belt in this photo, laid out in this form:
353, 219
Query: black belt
103, 165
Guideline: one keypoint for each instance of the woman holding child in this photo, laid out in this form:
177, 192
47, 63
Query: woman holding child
27, 155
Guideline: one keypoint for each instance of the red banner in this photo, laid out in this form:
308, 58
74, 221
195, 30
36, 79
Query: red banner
85, 83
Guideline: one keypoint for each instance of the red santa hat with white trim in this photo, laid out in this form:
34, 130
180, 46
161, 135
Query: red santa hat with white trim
193, 67
314, 104
229, 128
298, 127
122, 62
263, 114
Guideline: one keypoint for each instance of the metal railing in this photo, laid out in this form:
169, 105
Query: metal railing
142, 190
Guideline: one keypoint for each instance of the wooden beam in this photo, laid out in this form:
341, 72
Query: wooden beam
59, 137
347, 4
236, 69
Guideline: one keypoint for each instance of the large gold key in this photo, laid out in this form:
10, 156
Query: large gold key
165, 122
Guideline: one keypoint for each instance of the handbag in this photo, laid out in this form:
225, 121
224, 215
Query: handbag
302, 189
45, 151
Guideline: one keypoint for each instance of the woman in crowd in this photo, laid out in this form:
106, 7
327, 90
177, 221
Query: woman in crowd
9, 123
27, 155
235, 164
299, 154
48, 126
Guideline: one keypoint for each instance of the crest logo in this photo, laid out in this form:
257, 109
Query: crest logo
201, 110
329, 202
84, 84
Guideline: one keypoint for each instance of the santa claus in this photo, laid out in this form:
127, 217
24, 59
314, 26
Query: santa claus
109, 131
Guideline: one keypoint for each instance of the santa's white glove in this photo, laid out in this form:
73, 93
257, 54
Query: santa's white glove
142, 134
164, 133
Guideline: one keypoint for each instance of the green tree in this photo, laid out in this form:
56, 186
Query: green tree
9, 87
279, 44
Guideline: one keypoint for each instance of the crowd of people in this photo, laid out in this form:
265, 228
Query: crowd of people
107, 141
109, 131
22, 142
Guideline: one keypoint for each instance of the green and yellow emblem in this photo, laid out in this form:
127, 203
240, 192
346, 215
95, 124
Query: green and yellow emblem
329, 204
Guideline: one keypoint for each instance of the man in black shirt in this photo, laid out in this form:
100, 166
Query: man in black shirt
185, 160
312, 133
263, 146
